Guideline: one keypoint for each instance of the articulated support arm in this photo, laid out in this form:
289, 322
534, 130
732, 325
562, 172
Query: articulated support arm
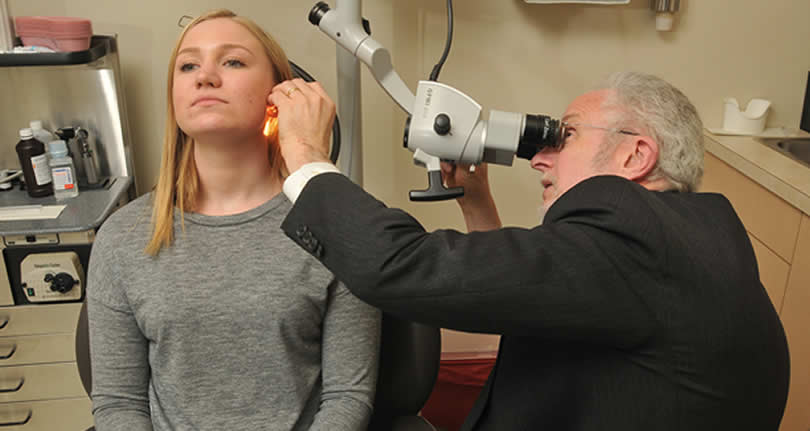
345, 26
444, 123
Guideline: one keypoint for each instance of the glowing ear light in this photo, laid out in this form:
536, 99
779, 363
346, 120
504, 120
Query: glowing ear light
271, 123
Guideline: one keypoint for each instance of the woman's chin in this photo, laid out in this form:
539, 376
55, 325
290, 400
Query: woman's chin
217, 130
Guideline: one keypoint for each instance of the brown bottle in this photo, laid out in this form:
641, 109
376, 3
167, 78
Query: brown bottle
34, 164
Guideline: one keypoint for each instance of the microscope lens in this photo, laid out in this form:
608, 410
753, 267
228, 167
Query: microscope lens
539, 132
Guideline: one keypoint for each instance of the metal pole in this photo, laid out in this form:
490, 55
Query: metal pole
350, 110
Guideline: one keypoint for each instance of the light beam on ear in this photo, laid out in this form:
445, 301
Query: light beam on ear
271, 123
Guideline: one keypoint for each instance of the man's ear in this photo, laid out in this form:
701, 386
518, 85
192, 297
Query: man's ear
640, 158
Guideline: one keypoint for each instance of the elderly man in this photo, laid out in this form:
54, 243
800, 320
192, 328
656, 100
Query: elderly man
636, 305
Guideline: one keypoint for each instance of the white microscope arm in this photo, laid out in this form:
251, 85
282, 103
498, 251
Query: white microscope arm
444, 123
345, 27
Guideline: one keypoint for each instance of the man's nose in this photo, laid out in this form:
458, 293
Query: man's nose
544, 159
208, 76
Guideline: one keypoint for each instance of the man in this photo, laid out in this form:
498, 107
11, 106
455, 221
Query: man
636, 305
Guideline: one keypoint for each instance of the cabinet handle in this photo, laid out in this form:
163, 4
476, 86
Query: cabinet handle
14, 389
12, 349
14, 422
3, 322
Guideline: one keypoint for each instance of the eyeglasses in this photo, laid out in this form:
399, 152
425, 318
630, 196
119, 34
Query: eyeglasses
563, 134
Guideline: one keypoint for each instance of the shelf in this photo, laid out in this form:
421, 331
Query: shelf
99, 47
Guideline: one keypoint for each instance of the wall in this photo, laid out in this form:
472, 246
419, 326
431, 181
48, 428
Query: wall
506, 54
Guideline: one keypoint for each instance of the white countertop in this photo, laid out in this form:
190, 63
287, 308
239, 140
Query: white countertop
777, 172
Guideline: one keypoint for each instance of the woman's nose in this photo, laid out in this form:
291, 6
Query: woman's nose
207, 76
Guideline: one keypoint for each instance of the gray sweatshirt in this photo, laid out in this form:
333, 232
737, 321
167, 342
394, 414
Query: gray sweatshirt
233, 327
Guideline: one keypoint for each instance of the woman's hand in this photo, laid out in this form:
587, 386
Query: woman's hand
477, 204
305, 117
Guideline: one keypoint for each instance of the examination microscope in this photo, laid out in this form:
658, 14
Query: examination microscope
444, 124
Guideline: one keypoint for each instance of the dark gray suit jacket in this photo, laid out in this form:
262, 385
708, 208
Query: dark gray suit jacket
626, 310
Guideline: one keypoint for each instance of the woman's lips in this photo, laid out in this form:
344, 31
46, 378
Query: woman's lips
207, 101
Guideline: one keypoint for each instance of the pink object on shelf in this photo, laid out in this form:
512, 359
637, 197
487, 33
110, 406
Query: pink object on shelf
59, 33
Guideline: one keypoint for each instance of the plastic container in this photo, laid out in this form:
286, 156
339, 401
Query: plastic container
748, 122
63, 171
34, 164
56, 32
41, 134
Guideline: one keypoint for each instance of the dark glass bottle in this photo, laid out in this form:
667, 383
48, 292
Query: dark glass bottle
34, 164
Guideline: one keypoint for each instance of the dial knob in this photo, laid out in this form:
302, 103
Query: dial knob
61, 282
441, 124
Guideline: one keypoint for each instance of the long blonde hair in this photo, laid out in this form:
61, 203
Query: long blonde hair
178, 182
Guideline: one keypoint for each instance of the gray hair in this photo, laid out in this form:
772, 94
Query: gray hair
664, 113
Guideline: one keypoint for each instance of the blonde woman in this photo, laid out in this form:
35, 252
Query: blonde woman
208, 317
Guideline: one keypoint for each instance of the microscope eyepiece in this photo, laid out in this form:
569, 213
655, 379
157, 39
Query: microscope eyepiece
539, 132
317, 12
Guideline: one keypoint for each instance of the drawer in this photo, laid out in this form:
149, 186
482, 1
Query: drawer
40, 382
55, 415
39, 319
37, 349
769, 218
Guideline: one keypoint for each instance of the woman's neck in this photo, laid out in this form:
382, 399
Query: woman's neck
235, 175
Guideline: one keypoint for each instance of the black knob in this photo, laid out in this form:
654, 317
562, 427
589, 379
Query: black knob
317, 12
441, 124
61, 282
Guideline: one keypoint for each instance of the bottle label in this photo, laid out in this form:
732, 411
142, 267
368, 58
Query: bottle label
42, 173
63, 179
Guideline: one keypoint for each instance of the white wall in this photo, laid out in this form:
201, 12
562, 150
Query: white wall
506, 54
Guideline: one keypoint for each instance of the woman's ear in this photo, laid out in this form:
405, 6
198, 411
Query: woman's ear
640, 158
270, 129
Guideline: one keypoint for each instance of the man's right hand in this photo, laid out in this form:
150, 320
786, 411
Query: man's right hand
305, 116
477, 204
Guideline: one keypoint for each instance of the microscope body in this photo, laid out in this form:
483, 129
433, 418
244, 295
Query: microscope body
444, 123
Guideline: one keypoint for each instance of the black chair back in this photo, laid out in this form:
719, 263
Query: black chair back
409, 364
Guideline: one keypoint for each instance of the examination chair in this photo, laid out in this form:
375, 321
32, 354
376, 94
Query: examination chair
409, 364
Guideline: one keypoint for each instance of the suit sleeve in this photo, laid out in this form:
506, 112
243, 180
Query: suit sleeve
569, 280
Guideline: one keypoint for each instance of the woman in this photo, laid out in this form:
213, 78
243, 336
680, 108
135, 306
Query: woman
209, 317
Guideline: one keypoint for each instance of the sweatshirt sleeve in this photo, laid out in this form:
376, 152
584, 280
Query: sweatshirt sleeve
351, 335
118, 349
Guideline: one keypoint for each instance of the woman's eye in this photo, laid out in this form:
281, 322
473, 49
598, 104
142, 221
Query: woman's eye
234, 63
185, 67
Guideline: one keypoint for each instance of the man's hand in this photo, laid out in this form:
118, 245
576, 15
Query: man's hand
305, 117
477, 204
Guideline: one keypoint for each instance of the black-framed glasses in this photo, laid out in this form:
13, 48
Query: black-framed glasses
563, 133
